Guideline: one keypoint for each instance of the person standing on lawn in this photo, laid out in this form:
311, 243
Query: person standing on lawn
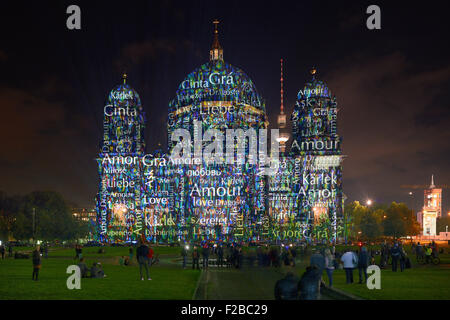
184, 254
363, 263
395, 254
329, 266
348, 260
36, 263
142, 258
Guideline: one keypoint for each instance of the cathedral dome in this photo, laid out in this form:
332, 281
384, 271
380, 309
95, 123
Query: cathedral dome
123, 95
217, 80
314, 88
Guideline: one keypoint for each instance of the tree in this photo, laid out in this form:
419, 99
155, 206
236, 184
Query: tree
8, 210
400, 221
441, 223
52, 220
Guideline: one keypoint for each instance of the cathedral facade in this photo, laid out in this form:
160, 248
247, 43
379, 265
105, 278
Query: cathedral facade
179, 195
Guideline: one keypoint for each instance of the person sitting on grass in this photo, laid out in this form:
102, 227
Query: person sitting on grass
97, 271
83, 268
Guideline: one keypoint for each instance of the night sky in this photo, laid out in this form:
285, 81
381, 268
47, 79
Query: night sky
392, 85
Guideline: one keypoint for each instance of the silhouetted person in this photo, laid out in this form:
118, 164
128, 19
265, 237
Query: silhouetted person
195, 258
83, 268
363, 263
142, 258
205, 255
97, 271
293, 251
184, 253
220, 256
309, 284
287, 288
36, 263
395, 254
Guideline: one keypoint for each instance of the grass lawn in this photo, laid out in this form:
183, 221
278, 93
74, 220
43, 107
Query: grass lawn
122, 282
420, 282
430, 282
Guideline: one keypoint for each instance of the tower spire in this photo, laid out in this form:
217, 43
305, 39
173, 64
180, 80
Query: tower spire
281, 91
124, 77
216, 52
432, 186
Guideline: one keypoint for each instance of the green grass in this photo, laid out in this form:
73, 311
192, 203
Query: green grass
122, 282
427, 282
430, 282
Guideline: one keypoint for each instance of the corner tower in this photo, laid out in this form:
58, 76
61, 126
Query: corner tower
316, 147
120, 166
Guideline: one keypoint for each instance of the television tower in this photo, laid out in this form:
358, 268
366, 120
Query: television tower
281, 122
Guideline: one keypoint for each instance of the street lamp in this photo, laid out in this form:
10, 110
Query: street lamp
34, 224
369, 202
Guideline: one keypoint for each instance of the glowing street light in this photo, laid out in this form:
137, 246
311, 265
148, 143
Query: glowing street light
369, 202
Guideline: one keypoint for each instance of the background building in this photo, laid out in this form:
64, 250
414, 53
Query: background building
432, 209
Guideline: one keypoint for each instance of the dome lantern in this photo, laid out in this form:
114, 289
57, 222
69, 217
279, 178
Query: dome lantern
216, 52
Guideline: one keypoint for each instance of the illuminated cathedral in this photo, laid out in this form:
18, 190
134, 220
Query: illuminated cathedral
165, 200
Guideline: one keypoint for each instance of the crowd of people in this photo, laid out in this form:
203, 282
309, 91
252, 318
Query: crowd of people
232, 255
308, 286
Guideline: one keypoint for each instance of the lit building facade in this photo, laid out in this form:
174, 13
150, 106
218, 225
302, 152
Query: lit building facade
192, 198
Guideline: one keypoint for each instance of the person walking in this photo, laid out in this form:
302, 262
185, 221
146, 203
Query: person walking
329, 266
363, 263
142, 258
2, 251
348, 260
195, 258
10, 250
36, 263
395, 254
